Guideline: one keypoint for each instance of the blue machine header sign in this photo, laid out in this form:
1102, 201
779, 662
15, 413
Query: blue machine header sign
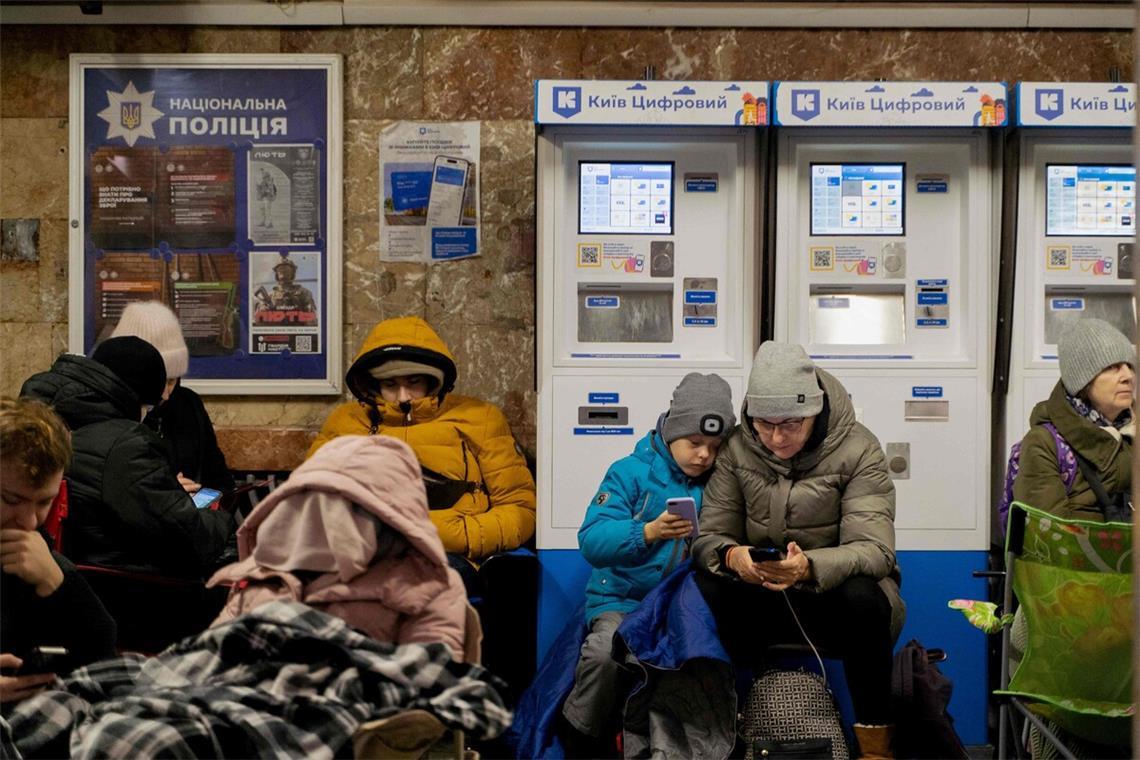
588, 101
1076, 104
890, 104
204, 184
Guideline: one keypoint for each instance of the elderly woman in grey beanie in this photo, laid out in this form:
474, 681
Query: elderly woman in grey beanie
802, 478
1091, 409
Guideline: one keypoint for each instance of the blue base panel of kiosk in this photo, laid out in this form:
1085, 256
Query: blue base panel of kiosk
930, 580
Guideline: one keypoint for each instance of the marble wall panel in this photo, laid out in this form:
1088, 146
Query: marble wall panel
35, 58
19, 292
506, 171
269, 411
53, 270
33, 168
495, 362
383, 67
28, 348
233, 40
674, 53
37, 292
254, 448
472, 73
362, 167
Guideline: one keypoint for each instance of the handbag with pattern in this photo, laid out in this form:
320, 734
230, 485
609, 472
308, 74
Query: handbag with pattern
791, 714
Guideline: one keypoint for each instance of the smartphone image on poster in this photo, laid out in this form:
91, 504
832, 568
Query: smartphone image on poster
448, 182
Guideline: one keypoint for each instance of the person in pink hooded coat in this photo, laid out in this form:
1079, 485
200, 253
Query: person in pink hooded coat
348, 533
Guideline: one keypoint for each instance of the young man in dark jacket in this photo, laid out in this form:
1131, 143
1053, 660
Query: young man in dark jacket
128, 509
45, 601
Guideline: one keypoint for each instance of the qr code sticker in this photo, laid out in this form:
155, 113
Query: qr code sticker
1058, 257
304, 343
589, 255
822, 259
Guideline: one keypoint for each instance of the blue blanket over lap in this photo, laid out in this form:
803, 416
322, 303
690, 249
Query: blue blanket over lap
672, 626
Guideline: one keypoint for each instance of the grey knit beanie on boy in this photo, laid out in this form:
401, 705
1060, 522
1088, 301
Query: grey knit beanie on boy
702, 405
782, 384
1088, 347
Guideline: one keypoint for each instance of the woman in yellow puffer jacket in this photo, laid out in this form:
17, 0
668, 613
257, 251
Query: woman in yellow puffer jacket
480, 491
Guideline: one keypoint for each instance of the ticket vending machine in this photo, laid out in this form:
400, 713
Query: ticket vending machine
647, 247
1075, 227
883, 272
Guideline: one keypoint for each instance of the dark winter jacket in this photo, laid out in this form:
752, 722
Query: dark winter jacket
1039, 483
71, 616
834, 498
127, 507
184, 426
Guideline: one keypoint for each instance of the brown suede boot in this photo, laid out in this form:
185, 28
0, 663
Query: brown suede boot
874, 741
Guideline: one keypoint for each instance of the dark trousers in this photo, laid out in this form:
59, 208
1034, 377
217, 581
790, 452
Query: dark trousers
852, 621
468, 572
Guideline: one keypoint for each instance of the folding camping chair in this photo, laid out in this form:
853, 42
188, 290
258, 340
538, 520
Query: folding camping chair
1073, 582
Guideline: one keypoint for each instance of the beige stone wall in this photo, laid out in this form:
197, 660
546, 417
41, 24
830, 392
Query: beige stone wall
483, 307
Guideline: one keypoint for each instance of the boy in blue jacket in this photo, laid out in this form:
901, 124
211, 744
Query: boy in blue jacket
633, 542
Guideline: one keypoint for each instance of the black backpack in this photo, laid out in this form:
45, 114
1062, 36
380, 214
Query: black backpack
920, 694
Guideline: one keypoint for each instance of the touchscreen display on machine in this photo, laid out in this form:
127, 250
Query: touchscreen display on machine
1088, 200
626, 197
857, 199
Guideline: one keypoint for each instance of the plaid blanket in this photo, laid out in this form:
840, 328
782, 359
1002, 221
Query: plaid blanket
282, 681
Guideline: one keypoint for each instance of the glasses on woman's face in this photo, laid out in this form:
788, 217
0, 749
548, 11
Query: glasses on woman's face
786, 427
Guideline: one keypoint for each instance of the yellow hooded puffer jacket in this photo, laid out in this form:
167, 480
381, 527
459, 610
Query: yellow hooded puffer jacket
459, 437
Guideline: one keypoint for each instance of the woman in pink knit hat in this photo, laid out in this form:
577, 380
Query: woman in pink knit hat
181, 419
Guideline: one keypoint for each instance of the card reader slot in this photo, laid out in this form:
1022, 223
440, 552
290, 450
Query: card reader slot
603, 415
927, 411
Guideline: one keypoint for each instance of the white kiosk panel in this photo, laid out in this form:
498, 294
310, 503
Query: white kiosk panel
883, 275
1076, 219
647, 247
642, 272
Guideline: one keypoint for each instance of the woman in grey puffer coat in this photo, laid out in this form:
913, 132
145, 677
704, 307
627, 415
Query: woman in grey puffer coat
800, 475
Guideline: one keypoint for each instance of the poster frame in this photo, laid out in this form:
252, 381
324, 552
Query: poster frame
332, 66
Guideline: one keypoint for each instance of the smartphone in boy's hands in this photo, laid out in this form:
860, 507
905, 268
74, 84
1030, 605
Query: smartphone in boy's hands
686, 507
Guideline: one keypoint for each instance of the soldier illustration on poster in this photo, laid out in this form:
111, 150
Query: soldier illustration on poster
284, 194
285, 311
266, 193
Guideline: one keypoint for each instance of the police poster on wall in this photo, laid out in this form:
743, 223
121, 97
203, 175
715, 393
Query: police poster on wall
212, 184
430, 194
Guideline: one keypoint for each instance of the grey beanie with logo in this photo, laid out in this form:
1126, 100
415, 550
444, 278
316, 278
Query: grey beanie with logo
702, 405
782, 384
1088, 347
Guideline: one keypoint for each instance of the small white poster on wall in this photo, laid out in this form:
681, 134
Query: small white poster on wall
429, 192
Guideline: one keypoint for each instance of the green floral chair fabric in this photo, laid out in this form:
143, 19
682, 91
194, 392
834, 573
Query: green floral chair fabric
1073, 580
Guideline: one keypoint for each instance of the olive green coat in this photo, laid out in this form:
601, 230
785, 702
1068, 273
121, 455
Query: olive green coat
1039, 483
835, 501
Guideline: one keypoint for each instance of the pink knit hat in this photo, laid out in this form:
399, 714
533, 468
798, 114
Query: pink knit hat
157, 325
